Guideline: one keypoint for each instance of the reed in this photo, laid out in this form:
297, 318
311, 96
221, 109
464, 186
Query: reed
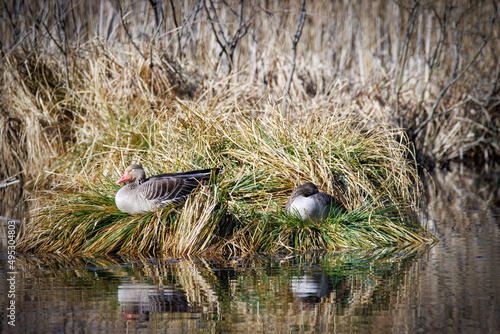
364, 227
263, 159
396, 71
190, 85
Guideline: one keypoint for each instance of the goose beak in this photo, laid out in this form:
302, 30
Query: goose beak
124, 178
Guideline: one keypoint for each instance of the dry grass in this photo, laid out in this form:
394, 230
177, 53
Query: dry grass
263, 158
388, 62
85, 94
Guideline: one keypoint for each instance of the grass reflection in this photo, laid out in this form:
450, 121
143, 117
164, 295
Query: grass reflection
317, 290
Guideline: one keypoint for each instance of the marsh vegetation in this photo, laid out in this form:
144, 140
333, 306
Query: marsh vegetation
350, 96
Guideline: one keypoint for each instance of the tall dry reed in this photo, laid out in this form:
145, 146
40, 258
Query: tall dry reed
264, 157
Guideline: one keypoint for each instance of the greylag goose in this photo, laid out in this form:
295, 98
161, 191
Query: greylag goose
143, 194
311, 204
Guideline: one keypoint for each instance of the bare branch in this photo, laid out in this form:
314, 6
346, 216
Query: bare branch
124, 25
431, 63
47, 29
227, 44
212, 17
456, 77
174, 16
156, 10
404, 54
296, 38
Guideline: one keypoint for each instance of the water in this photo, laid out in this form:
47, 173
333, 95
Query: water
452, 287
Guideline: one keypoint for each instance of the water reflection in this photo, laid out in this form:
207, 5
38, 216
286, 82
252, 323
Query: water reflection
138, 300
460, 278
452, 287
309, 289
316, 291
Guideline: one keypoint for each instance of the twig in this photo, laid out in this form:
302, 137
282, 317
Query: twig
126, 30
217, 32
242, 29
179, 46
404, 55
11, 20
228, 44
63, 15
151, 64
157, 12
432, 62
77, 30
9, 181
455, 78
47, 29
296, 38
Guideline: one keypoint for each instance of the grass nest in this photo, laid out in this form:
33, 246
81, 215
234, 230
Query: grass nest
371, 173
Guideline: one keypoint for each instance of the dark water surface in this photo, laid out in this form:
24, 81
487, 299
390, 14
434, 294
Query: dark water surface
451, 287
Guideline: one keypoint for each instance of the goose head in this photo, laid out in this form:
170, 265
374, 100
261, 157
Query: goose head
307, 189
133, 173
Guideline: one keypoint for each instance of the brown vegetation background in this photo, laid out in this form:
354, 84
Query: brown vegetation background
430, 67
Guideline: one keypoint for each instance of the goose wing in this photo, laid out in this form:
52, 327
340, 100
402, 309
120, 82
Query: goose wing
203, 174
324, 199
328, 203
168, 190
173, 188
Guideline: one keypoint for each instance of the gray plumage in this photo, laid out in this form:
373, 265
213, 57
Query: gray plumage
143, 194
310, 204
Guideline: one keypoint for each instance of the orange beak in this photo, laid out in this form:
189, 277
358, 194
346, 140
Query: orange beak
124, 178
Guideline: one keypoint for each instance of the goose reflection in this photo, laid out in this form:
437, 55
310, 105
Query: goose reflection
137, 300
309, 289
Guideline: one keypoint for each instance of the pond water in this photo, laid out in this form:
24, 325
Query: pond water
450, 287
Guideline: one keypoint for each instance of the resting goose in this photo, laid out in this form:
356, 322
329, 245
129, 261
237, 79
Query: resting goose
311, 204
143, 194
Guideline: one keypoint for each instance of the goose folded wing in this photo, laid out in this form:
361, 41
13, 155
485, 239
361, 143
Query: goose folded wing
203, 174
329, 203
325, 199
168, 190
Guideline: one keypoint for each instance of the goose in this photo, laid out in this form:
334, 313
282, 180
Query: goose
143, 194
310, 204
